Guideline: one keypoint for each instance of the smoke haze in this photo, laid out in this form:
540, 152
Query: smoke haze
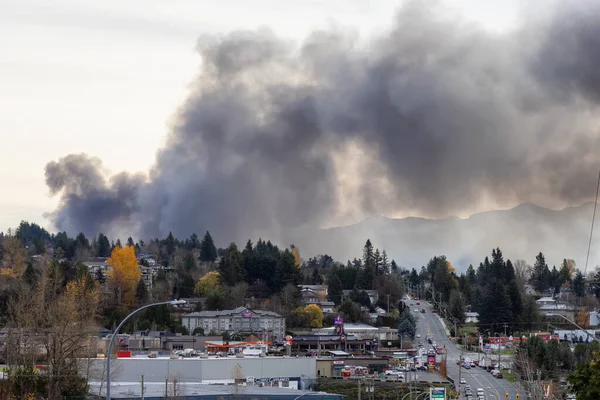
433, 118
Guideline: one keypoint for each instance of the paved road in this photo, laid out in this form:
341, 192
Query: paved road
430, 324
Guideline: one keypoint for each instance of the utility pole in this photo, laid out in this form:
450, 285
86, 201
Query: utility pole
358, 380
388, 299
142, 387
505, 326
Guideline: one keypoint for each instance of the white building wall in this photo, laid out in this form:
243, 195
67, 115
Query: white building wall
199, 370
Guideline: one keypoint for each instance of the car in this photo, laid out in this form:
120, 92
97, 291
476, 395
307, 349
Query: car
423, 310
463, 381
418, 303
415, 310
418, 336
468, 387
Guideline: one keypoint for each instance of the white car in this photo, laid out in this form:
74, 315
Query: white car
418, 336
463, 381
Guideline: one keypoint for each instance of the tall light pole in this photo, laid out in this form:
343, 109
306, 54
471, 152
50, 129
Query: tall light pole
112, 339
572, 322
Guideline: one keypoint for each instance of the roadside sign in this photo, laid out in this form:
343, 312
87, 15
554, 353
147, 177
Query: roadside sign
437, 393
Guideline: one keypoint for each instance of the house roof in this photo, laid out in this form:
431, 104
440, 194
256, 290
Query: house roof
546, 300
229, 313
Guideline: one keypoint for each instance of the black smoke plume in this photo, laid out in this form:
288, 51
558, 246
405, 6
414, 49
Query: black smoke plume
443, 113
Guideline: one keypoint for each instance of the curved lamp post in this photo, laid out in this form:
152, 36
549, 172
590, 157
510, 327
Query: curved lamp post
112, 339
422, 394
410, 394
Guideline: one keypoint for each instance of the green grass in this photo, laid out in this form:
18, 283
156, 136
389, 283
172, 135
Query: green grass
469, 329
508, 376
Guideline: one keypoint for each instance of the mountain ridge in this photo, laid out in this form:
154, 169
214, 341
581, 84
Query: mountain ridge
521, 232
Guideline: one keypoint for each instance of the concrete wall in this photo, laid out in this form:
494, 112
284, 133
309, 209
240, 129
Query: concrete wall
213, 369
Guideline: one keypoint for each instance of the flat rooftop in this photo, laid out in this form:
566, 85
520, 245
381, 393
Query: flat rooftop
191, 391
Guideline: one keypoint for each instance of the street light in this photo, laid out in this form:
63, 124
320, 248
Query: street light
112, 339
410, 394
422, 394
572, 322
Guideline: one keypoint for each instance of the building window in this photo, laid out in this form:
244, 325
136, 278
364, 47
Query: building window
177, 347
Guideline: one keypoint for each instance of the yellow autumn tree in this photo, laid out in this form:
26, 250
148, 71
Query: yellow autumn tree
208, 284
124, 274
315, 316
14, 257
296, 254
451, 268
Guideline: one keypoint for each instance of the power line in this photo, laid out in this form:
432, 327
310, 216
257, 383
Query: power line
592, 228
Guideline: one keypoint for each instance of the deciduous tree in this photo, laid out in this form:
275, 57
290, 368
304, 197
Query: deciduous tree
315, 316
209, 284
124, 274
14, 256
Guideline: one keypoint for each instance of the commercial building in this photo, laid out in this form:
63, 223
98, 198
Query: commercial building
266, 324
289, 372
194, 391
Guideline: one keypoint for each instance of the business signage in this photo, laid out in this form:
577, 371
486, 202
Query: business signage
271, 380
338, 321
437, 393
247, 314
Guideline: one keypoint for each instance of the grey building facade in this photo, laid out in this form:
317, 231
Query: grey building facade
240, 320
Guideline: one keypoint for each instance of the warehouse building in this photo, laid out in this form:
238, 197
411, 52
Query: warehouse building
195, 391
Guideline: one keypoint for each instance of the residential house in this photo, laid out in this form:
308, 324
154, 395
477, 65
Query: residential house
316, 294
529, 290
319, 290
471, 317
548, 305
239, 320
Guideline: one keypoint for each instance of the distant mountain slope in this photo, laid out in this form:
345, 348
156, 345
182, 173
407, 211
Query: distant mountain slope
520, 232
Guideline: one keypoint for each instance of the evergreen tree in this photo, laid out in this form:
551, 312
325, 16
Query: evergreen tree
377, 262
170, 244
81, 241
367, 273
104, 246
231, 266
334, 291
413, 278
456, 307
578, 284
194, 241
141, 293
208, 251
385, 265
130, 241
286, 271
30, 276
407, 325
565, 273
316, 278
540, 276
